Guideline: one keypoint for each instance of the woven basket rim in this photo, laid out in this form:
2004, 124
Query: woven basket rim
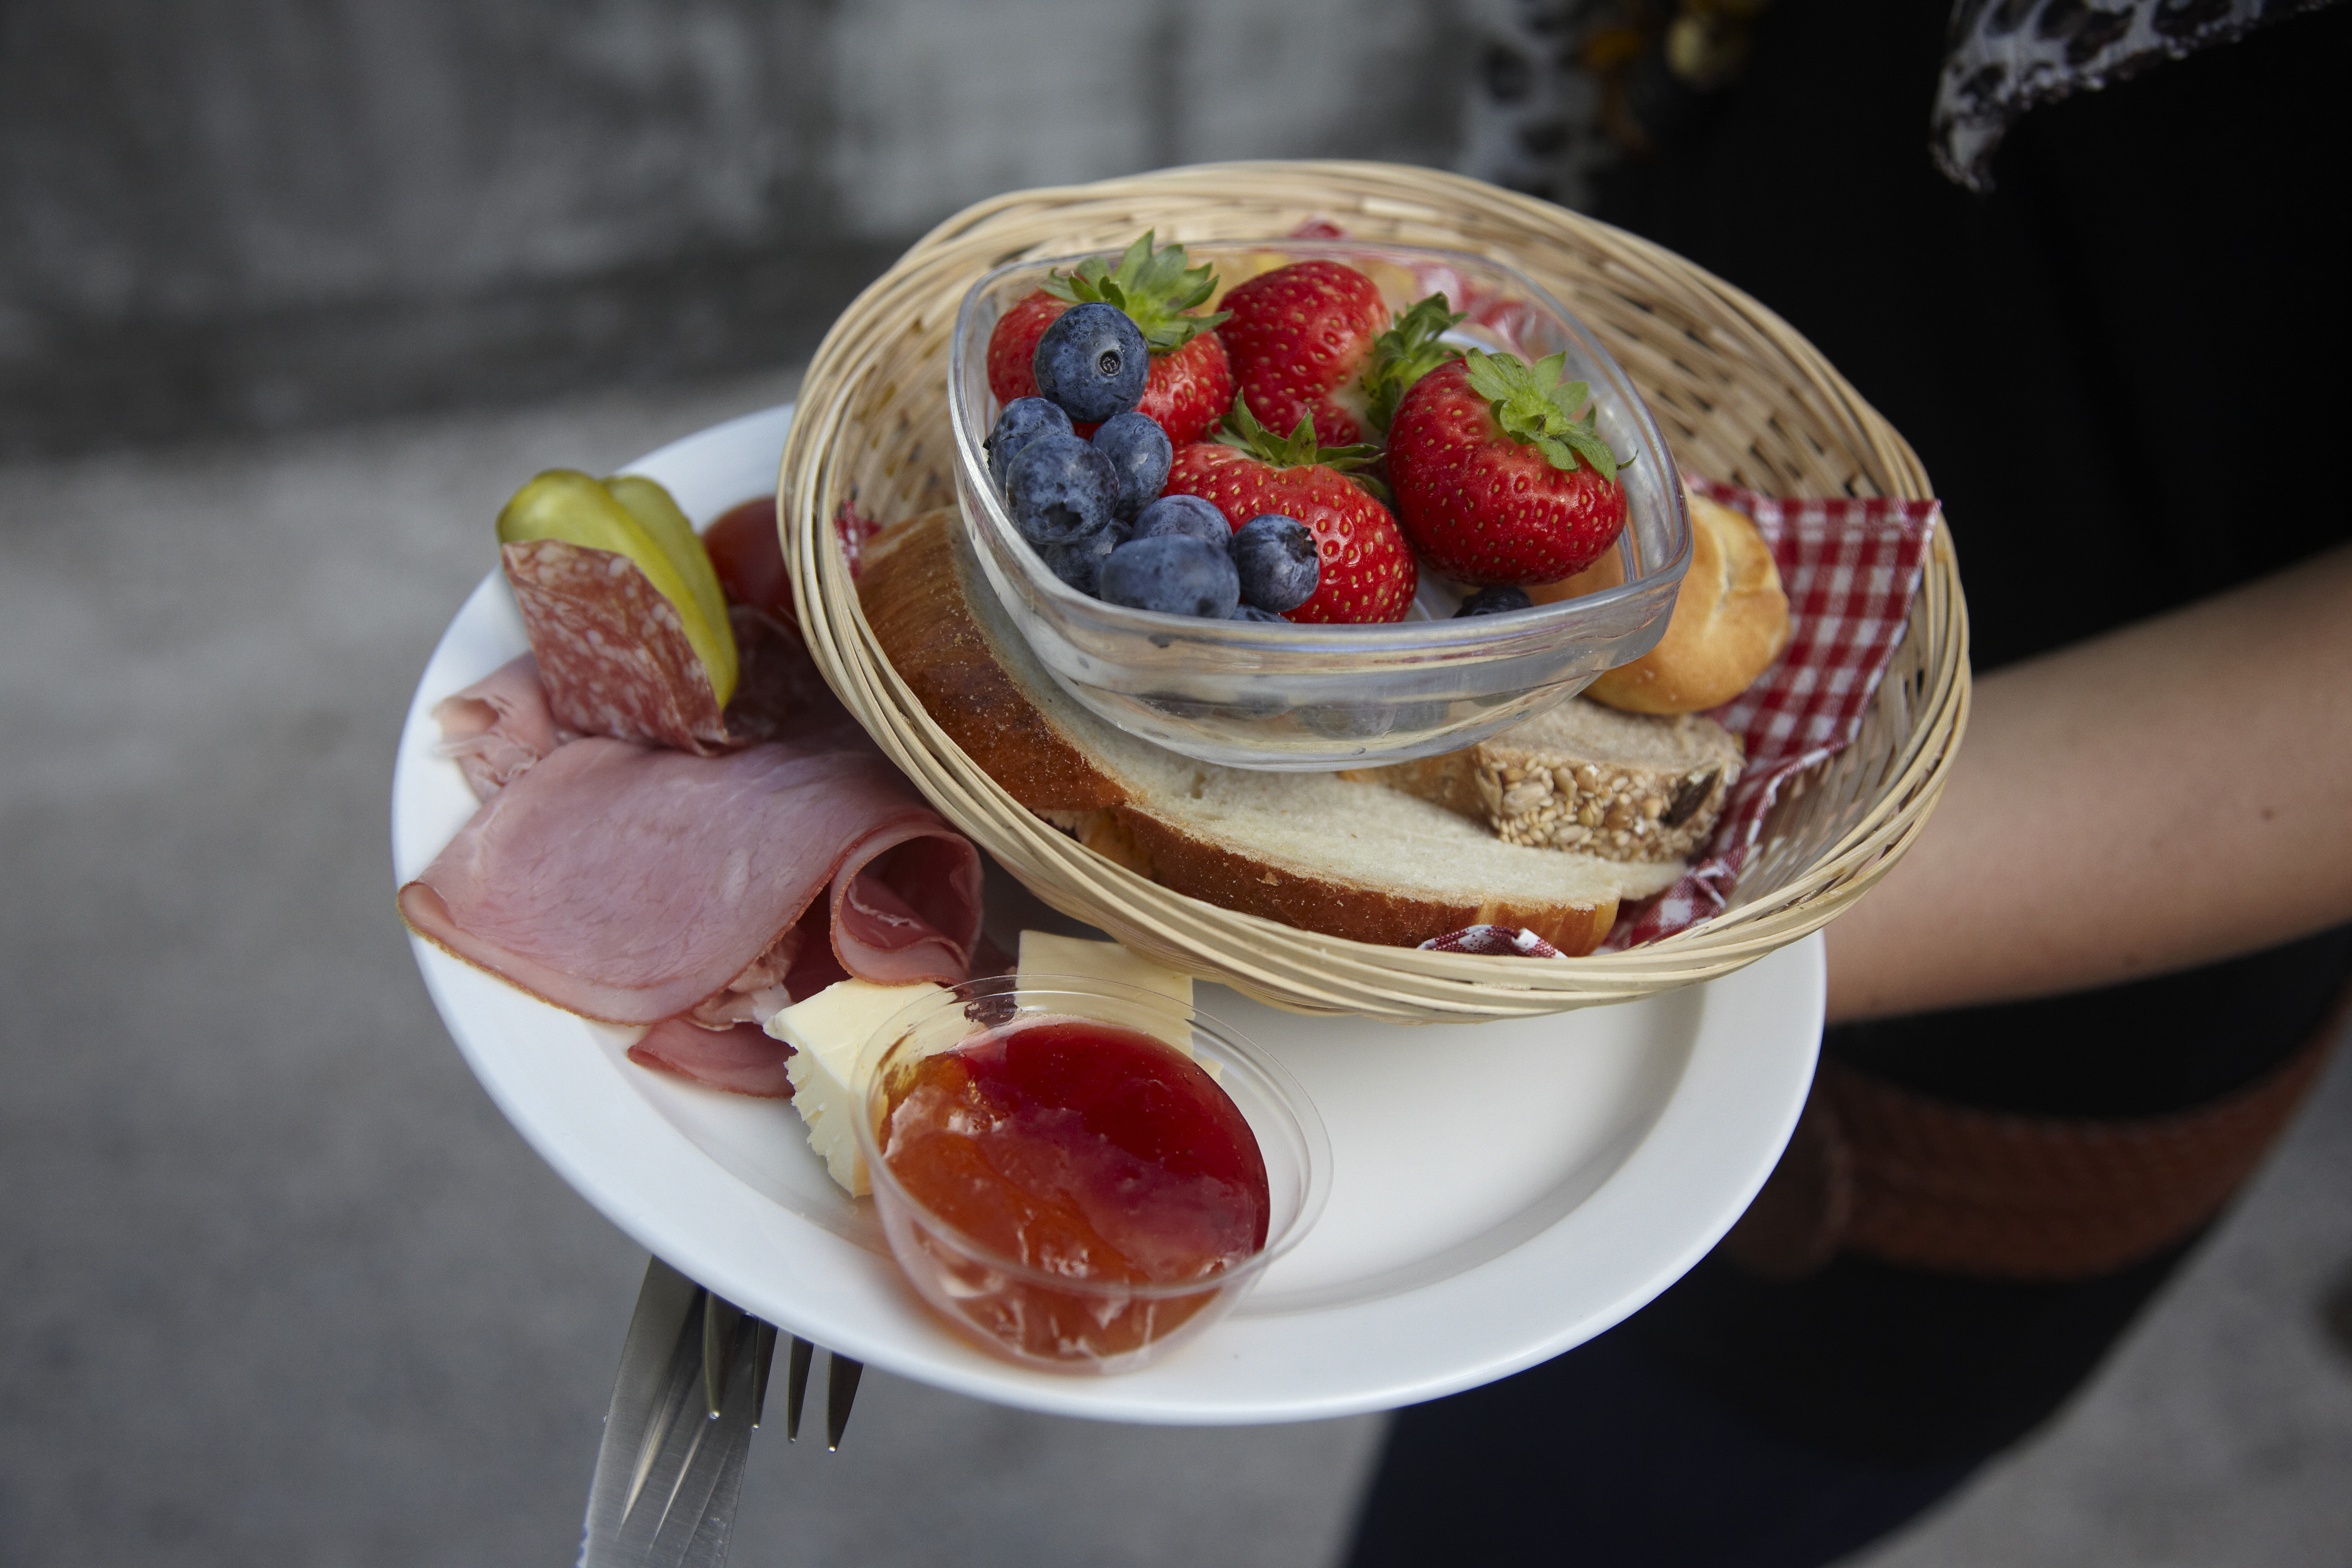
1403, 983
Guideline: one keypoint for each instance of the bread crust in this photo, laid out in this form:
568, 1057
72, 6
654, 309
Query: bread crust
1202, 869
1730, 620
914, 600
913, 591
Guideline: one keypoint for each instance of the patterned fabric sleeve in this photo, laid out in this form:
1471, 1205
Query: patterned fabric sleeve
1564, 90
2007, 56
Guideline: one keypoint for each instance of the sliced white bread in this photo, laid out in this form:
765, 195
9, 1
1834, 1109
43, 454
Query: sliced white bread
1311, 850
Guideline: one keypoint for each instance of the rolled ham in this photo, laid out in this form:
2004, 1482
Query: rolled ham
743, 1059
499, 726
635, 884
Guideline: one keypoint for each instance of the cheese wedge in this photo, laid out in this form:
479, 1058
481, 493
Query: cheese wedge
829, 1034
1044, 953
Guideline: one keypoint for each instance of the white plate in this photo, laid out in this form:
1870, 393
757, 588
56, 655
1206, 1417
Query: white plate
1501, 1192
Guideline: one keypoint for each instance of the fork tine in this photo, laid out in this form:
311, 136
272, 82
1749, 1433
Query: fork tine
796, 1371
722, 1327
764, 1355
841, 1376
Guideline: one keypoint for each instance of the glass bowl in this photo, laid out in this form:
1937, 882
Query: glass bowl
1062, 1322
1315, 698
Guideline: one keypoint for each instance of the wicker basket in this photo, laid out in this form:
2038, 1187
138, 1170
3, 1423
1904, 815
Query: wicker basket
1737, 392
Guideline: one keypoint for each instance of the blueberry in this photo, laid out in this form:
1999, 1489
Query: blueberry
1139, 448
1079, 562
1093, 362
1059, 488
1023, 420
1172, 575
1275, 557
1187, 515
1500, 600
1251, 613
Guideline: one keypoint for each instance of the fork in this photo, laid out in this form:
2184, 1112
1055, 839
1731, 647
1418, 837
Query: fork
692, 1386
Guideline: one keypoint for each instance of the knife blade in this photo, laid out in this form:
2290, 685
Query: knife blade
670, 1469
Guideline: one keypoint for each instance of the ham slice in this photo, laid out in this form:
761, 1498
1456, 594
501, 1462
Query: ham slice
499, 726
742, 1059
635, 884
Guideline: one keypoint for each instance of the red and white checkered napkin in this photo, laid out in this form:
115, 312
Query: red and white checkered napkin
1851, 569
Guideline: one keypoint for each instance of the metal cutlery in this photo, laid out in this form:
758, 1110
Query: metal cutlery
692, 1384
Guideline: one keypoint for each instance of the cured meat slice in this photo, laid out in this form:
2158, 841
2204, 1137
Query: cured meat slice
760, 992
779, 695
633, 885
613, 657
742, 1059
748, 555
894, 903
612, 652
499, 726
502, 723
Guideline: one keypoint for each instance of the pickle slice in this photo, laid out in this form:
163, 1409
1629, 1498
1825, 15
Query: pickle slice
652, 507
567, 505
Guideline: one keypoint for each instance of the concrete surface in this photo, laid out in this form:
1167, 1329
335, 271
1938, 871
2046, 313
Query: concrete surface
2221, 1431
282, 1287
252, 214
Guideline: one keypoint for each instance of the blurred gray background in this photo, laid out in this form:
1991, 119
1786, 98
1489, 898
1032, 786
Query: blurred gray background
291, 297
254, 214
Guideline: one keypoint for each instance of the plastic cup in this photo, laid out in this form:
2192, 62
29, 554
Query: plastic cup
1070, 1323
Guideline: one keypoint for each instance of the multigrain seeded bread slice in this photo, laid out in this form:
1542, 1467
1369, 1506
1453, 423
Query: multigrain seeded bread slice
1310, 850
1626, 787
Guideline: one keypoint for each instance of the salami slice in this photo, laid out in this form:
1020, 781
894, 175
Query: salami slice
613, 653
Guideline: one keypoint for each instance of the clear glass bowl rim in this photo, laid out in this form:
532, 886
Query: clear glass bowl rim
1288, 1095
1482, 637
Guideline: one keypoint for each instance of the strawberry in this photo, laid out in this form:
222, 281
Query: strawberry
1298, 336
1404, 353
1191, 381
1367, 573
1498, 478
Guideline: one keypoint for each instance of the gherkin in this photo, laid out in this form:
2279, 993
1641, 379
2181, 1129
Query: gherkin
635, 518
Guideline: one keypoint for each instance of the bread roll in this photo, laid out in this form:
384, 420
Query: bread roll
1730, 620
1310, 850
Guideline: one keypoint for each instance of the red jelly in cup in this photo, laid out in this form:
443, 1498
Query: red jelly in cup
1069, 1187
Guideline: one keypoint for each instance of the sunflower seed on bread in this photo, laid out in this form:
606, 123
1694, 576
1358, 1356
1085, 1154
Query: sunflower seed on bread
1624, 786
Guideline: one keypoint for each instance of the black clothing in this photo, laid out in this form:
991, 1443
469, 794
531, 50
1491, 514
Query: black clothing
2124, 372
1610, 1463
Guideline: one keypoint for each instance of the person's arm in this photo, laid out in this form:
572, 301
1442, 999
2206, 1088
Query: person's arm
2169, 794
